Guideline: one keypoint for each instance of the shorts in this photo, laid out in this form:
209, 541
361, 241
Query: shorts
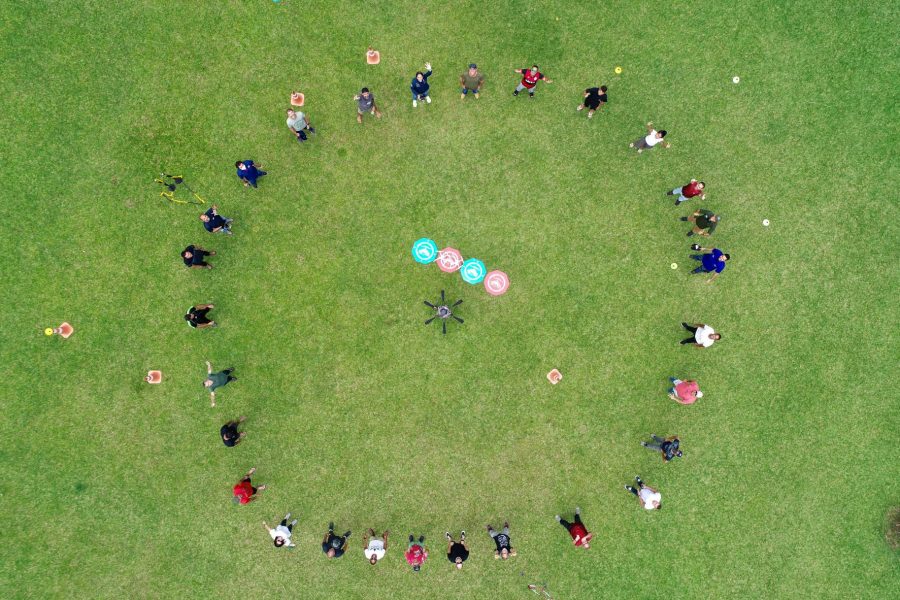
464, 91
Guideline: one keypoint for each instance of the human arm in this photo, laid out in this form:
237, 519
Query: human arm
513, 552
385, 540
649, 126
496, 554
712, 278
546, 80
266, 527
518, 70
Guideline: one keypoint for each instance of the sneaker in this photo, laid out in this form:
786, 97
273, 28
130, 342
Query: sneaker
331, 527
346, 535
631, 145
580, 107
428, 99
515, 92
505, 524
590, 115
683, 219
463, 96
677, 202
531, 95
476, 95
489, 527
462, 535
577, 510
449, 537
558, 518
638, 479
287, 516
690, 233
415, 104
421, 539
670, 192
644, 444
411, 538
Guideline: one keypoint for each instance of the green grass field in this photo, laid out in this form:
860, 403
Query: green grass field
359, 414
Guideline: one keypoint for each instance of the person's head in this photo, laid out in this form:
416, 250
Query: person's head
291, 114
678, 454
208, 382
364, 92
204, 217
186, 254
420, 76
458, 562
504, 554
279, 541
187, 317
239, 165
473, 68
373, 559
585, 544
330, 553
725, 257
534, 68
603, 89
661, 134
714, 218
657, 505
715, 336
701, 185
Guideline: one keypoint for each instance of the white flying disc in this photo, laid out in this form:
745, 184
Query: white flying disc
674, 265
765, 222
736, 79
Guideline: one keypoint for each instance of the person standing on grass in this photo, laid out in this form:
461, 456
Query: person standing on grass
457, 552
713, 262
704, 335
419, 86
471, 81
365, 103
650, 140
248, 172
580, 535
196, 316
416, 552
281, 535
193, 257
686, 192
668, 447
646, 495
231, 437
217, 380
684, 392
374, 548
704, 221
298, 124
501, 540
214, 222
530, 77
243, 491
334, 546
594, 98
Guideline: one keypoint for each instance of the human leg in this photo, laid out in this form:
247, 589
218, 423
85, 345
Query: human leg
631, 489
651, 446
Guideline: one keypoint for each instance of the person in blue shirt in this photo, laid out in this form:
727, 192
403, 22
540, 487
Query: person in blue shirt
214, 222
248, 172
419, 86
714, 262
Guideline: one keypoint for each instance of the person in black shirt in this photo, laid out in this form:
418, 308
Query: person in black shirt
668, 447
193, 257
334, 545
229, 432
196, 316
457, 552
214, 222
502, 541
593, 99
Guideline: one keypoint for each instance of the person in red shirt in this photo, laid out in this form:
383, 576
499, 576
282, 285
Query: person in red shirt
417, 552
244, 492
684, 392
580, 535
530, 77
686, 192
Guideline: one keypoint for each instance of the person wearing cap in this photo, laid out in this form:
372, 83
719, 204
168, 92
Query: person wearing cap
365, 103
646, 495
471, 81
530, 77
704, 335
501, 540
243, 491
668, 446
712, 262
333, 545
248, 172
704, 221
419, 86
650, 140
580, 535
193, 257
594, 98
374, 548
196, 316
686, 192
457, 552
416, 552
684, 392
281, 535
299, 124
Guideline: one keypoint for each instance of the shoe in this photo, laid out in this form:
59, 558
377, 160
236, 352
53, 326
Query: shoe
670, 192
449, 537
638, 479
515, 92
294, 522
489, 527
531, 95
411, 538
463, 96
476, 95
677, 202
631, 145
415, 104
628, 488
558, 518
346, 535
590, 115
428, 99
287, 516
421, 539
577, 510
690, 233
462, 535
644, 444
331, 526
683, 219
505, 524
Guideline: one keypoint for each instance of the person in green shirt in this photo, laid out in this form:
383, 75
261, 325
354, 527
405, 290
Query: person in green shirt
704, 221
471, 81
217, 380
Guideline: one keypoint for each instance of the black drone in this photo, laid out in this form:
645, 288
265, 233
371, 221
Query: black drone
443, 312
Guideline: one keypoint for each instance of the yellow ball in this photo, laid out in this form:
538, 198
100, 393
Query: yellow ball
618, 70
48, 331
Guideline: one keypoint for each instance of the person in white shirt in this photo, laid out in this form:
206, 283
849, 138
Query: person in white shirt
703, 336
298, 124
646, 495
375, 547
281, 535
652, 138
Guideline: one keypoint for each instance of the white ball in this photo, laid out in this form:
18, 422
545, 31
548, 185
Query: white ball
736, 79
765, 222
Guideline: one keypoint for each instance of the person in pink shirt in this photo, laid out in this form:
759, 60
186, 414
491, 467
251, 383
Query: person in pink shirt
684, 392
417, 552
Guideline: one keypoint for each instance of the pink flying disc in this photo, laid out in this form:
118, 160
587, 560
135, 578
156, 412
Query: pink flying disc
554, 376
153, 377
496, 283
64, 330
373, 57
297, 99
449, 260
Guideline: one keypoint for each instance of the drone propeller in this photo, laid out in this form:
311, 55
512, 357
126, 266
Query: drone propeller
427, 303
444, 323
442, 297
457, 303
457, 318
431, 319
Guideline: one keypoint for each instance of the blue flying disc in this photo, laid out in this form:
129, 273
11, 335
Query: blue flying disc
424, 251
473, 271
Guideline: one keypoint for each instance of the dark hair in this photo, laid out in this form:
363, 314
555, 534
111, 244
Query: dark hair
727, 256
183, 252
662, 133
659, 507
187, 317
364, 90
420, 73
703, 183
678, 454
603, 88
535, 67
277, 545
237, 164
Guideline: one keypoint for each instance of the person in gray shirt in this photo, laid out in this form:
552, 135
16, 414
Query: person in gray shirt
365, 103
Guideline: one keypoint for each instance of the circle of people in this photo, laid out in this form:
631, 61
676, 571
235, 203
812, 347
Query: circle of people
711, 260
